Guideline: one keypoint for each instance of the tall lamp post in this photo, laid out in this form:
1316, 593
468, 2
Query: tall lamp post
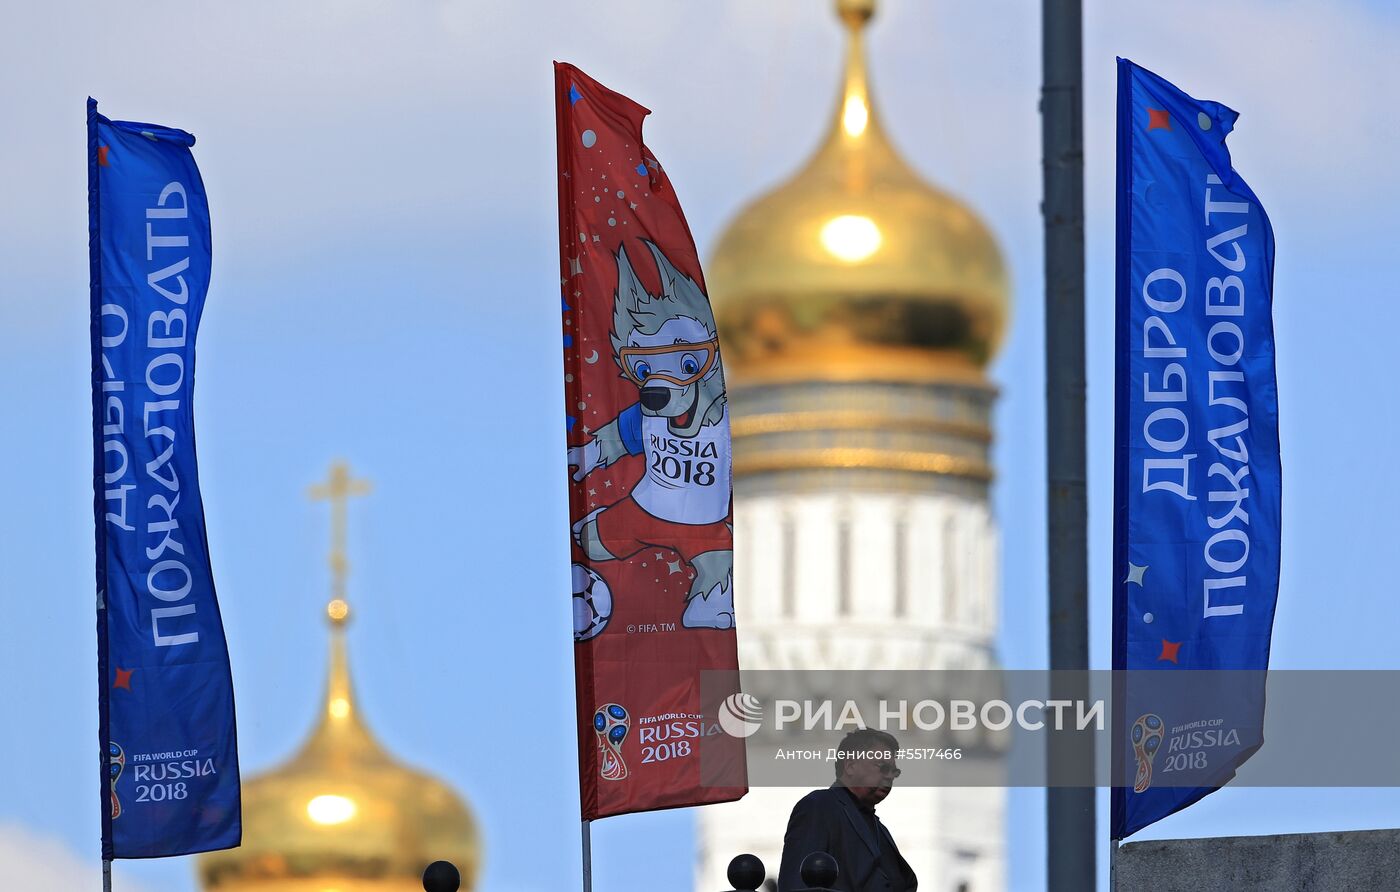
1069, 811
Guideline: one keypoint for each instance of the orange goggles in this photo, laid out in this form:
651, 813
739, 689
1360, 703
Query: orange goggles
678, 364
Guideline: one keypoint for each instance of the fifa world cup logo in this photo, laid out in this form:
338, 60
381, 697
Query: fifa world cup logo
1147, 737
116, 761
611, 723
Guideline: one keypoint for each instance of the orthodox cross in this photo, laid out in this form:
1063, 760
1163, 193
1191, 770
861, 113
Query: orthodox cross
337, 489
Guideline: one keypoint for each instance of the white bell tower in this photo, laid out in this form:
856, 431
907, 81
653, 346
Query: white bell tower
858, 307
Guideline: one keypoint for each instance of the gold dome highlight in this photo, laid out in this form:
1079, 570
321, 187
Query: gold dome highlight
342, 815
856, 268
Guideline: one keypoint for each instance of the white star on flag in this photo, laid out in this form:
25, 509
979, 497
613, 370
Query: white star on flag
1135, 573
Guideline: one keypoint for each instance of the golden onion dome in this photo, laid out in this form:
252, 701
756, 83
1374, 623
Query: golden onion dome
855, 267
342, 815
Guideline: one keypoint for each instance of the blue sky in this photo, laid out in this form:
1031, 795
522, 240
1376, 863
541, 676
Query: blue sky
381, 182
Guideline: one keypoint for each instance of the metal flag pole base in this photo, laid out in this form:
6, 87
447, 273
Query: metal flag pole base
106, 875
587, 858
1113, 865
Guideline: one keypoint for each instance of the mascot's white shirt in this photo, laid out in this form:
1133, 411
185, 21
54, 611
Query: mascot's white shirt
687, 479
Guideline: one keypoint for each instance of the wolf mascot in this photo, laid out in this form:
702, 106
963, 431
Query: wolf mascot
666, 345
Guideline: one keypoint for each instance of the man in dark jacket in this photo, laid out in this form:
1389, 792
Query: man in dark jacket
841, 821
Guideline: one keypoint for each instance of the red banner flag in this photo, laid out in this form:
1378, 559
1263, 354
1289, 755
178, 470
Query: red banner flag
650, 503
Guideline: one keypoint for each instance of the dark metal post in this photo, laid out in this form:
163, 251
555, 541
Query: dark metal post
442, 876
1069, 810
746, 873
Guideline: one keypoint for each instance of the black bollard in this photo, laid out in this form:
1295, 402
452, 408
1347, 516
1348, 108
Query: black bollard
819, 871
441, 876
746, 873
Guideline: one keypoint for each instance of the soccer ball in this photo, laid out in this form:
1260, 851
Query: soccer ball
592, 603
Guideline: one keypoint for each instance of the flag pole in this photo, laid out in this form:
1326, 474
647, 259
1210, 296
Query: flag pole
106, 875
1113, 865
587, 858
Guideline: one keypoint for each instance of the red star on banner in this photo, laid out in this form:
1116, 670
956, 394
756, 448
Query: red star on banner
123, 679
102, 157
1158, 119
1169, 649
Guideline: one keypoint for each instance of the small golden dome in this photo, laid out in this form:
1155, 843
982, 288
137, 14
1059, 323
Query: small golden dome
342, 815
855, 267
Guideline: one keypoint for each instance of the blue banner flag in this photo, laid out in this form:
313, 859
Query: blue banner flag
168, 745
1197, 474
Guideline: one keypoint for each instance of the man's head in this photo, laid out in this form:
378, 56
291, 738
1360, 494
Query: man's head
865, 765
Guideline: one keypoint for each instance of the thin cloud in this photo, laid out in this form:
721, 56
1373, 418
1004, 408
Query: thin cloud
33, 862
